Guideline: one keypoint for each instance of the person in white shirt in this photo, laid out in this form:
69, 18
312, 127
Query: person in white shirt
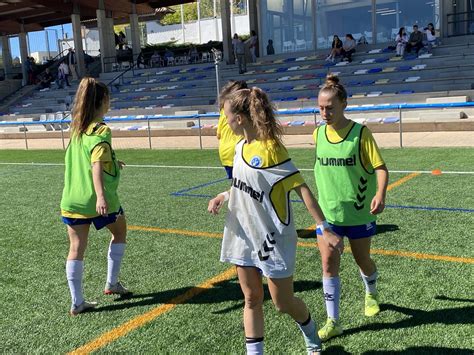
401, 40
431, 39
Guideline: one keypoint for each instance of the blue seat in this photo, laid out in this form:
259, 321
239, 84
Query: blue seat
327, 65
410, 57
281, 70
388, 50
321, 75
353, 83
390, 120
176, 71
286, 88
374, 70
405, 92
382, 60
291, 98
297, 123
404, 68
367, 82
288, 60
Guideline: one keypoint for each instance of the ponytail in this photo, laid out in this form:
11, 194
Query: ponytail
333, 86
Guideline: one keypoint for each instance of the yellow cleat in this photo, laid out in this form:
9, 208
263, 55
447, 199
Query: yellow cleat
371, 304
331, 329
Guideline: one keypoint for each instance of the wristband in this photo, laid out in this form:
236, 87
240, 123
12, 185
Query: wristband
226, 195
323, 226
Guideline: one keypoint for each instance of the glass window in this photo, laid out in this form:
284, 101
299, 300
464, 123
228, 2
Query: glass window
342, 17
393, 14
288, 23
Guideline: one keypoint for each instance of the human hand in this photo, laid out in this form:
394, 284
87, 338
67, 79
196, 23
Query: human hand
377, 205
101, 206
334, 241
215, 204
121, 164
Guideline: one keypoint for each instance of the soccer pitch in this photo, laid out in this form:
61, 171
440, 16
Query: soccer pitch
186, 301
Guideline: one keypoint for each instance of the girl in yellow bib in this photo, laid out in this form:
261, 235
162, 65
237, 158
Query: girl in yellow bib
259, 234
351, 178
227, 138
90, 191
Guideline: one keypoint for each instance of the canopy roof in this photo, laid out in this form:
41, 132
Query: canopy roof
35, 15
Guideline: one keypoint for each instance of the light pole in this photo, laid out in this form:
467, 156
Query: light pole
217, 59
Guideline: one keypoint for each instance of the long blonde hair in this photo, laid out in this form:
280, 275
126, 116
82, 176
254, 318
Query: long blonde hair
90, 97
257, 107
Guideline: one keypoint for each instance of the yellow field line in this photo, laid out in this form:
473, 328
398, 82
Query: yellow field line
149, 316
313, 245
175, 231
402, 180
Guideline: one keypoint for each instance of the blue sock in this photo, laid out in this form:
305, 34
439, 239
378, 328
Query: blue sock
332, 294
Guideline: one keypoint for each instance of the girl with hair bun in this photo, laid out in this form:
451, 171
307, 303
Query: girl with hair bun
351, 178
259, 233
90, 191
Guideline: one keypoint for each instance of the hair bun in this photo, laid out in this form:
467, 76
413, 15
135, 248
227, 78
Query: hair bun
332, 80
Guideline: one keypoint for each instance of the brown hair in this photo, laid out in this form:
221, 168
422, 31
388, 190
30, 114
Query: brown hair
333, 86
255, 104
229, 88
90, 98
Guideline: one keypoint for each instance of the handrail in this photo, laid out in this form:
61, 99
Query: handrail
311, 110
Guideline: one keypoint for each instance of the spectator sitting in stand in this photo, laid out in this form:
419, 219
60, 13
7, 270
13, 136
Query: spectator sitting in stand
141, 61
336, 48
348, 48
156, 59
415, 40
401, 40
46, 80
193, 54
431, 40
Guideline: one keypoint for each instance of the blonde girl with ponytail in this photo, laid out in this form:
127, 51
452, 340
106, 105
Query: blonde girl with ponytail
91, 180
259, 234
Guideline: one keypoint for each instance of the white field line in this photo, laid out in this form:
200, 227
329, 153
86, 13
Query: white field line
219, 167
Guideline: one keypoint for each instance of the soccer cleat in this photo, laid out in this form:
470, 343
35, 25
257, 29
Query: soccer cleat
371, 304
331, 329
117, 289
83, 307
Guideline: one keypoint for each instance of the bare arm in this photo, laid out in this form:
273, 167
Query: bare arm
378, 202
334, 241
217, 202
97, 177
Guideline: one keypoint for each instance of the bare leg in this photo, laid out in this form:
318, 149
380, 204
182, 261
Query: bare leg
251, 284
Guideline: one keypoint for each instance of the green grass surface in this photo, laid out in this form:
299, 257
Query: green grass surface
427, 305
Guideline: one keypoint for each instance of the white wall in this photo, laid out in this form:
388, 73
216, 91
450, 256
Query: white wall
159, 34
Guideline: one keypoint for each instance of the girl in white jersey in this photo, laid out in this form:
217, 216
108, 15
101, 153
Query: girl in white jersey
259, 234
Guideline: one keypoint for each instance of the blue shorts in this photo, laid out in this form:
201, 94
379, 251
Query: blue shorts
99, 222
228, 170
353, 232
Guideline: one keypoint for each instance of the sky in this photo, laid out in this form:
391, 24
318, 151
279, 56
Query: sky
37, 40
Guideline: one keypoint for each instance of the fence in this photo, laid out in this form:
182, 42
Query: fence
62, 124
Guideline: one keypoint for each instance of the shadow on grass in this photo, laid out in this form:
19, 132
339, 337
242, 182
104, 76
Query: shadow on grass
419, 350
417, 317
381, 229
225, 291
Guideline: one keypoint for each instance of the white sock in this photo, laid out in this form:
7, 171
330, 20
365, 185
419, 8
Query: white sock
114, 260
254, 346
74, 271
332, 292
308, 328
370, 282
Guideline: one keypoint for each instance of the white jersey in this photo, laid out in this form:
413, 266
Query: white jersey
254, 234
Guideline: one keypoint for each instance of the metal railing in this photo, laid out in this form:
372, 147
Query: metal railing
300, 112
460, 24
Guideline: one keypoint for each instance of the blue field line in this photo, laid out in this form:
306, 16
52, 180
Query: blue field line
182, 192
425, 208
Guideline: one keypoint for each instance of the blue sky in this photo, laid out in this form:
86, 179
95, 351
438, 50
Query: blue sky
37, 40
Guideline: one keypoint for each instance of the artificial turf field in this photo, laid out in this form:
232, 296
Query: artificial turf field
186, 301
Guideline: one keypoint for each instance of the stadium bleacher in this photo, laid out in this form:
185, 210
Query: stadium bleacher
375, 76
